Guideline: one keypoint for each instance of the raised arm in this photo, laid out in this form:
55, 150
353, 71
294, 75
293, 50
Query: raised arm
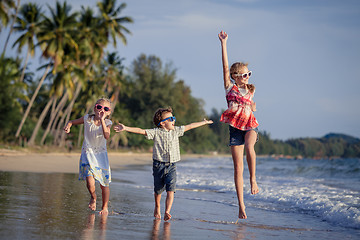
121, 127
223, 39
197, 124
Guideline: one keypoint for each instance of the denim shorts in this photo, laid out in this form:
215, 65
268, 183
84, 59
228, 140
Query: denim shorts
164, 176
237, 137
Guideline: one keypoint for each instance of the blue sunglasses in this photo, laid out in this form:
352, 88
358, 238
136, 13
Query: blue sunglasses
169, 118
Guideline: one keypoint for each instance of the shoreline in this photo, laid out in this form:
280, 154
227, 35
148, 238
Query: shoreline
65, 162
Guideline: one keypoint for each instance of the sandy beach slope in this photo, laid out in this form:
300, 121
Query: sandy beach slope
22, 161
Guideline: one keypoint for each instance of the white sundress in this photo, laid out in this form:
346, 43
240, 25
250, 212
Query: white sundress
94, 158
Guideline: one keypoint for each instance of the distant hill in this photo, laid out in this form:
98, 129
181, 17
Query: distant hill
346, 138
329, 146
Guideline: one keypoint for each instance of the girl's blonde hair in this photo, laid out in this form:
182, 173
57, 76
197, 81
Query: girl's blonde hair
102, 99
236, 68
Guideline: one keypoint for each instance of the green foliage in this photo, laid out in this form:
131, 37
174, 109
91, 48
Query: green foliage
151, 86
337, 145
11, 92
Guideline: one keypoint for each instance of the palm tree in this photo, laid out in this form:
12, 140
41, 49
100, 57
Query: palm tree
91, 39
31, 102
112, 69
56, 32
111, 22
5, 6
27, 22
55, 36
11, 27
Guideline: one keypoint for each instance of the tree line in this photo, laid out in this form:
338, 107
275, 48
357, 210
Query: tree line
77, 70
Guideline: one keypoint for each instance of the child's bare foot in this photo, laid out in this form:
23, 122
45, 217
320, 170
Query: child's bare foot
242, 213
167, 217
157, 213
92, 204
254, 187
104, 211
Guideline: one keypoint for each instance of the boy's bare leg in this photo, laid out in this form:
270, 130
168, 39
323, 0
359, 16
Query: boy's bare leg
105, 199
237, 155
169, 202
250, 140
157, 213
90, 184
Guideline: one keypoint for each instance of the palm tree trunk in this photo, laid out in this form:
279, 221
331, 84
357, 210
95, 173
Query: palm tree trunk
56, 125
114, 141
52, 117
60, 125
69, 110
40, 121
58, 115
31, 102
11, 28
115, 97
25, 65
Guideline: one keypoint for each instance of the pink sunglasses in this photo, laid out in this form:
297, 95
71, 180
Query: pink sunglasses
99, 107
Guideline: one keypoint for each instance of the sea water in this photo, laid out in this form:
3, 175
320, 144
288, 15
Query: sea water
327, 189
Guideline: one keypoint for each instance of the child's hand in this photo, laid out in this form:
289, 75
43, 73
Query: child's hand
119, 128
67, 127
223, 36
253, 106
208, 121
102, 115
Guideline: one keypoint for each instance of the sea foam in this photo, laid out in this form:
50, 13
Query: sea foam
314, 187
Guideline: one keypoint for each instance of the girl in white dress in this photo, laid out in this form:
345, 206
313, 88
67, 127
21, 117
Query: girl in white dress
94, 162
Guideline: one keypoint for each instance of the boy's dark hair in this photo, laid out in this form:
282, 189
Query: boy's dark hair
159, 113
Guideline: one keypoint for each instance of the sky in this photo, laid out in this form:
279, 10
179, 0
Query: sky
304, 55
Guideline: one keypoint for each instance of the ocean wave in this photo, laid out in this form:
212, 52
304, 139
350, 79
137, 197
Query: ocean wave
314, 187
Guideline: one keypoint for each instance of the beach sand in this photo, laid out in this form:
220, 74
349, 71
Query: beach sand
41, 198
22, 161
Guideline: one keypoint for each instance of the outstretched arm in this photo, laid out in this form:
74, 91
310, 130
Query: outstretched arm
223, 39
121, 127
197, 124
73, 122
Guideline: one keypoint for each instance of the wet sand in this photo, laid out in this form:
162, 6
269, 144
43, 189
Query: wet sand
54, 206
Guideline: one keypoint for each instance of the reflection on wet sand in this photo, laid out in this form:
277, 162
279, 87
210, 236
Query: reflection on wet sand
92, 232
156, 228
48, 203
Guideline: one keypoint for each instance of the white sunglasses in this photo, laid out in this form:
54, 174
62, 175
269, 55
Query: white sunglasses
244, 75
